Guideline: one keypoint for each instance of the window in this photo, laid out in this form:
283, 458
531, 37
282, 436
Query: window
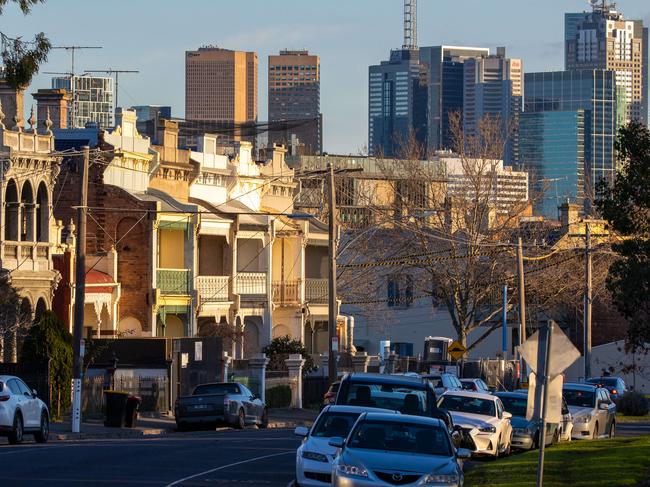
400, 290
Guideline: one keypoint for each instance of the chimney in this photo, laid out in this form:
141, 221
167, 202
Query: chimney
13, 103
56, 100
569, 214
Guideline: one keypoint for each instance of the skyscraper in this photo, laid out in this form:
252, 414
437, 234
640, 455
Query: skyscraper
92, 99
603, 39
444, 68
294, 99
493, 87
221, 85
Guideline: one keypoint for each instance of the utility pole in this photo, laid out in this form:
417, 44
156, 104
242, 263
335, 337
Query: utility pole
522, 300
588, 299
332, 311
80, 290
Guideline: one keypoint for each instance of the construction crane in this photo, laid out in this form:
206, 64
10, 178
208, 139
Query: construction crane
72, 49
116, 72
410, 24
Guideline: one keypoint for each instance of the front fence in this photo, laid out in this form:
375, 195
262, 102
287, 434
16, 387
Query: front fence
154, 392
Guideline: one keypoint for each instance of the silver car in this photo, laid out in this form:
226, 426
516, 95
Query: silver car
388, 450
592, 410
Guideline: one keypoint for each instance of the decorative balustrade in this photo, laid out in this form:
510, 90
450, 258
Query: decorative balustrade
286, 292
251, 283
25, 255
316, 291
213, 289
173, 281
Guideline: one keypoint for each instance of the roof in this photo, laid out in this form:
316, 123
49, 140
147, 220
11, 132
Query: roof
580, 387
341, 408
93, 276
510, 393
404, 418
478, 395
384, 378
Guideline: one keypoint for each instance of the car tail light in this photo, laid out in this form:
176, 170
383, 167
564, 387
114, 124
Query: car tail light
614, 391
4, 398
226, 403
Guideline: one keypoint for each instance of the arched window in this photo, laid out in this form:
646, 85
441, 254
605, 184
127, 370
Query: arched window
11, 211
43, 214
41, 308
27, 213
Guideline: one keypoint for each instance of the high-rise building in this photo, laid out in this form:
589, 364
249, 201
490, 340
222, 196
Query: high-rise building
553, 146
594, 92
221, 85
92, 99
603, 39
294, 100
493, 88
444, 67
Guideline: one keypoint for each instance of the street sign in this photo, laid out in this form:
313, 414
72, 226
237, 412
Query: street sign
456, 350
563, 353
335, 344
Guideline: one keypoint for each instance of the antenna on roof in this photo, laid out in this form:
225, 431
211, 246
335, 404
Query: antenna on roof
410, 24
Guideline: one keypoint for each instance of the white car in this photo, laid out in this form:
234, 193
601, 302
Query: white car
444, 382
21, 411
315, 456
483, 419
592, 410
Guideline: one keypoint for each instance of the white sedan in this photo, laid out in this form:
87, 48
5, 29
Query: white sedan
485, 424
314, 457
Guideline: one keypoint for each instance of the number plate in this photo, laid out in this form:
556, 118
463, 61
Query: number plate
200, 406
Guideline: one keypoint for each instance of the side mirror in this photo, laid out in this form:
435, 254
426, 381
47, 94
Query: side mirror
604, 406
34, 393
463, 453
337, 442
507, 415
301, 431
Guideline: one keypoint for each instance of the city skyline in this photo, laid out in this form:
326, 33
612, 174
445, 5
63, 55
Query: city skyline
335, 32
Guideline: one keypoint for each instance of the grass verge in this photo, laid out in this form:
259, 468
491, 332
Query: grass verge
619, 461
621, 418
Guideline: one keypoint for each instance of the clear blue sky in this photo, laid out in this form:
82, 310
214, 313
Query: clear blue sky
349, 35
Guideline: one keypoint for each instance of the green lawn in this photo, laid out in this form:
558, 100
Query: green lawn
621, 418
619, 461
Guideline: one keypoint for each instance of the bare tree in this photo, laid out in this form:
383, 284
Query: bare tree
15, 320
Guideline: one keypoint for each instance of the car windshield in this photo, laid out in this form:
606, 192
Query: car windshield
467, 404
435, 380
606, 381
400, 437
515, 405
216, 389
399, 397
579, 398
334, 424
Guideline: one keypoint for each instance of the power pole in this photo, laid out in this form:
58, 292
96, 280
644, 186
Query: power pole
588, 299
332, 311
80, 291
522, 300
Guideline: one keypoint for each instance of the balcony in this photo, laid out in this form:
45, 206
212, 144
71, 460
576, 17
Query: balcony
251, 284
213, 289
286, 292
173, 281
316, 291
26, 256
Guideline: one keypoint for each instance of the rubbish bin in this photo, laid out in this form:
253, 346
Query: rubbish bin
115, 403
131, 411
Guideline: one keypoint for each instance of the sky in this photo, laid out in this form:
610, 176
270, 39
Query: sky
349, 35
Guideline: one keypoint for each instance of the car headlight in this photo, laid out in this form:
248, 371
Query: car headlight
583, 419
488, 429
436, 479
311, 455
351, 470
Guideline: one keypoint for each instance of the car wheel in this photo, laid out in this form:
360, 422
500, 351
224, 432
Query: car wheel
509, 447
241, 419
16, 435
44, 432
264, 420
612, 430
595, 435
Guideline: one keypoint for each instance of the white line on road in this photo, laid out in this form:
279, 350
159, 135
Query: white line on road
223, 467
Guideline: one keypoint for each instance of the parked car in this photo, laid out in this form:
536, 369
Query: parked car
227, 402
525, 433
330, 395
21, 411
444, 382
476, 385
615, 385
315, 455
593, 411
388, 450
484, 421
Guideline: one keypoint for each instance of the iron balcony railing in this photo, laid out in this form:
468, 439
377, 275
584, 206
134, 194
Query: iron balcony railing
286, 292
251, 283
316, 291
173, 281
213, 289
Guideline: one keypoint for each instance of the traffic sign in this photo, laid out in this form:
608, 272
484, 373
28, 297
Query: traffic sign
456, 350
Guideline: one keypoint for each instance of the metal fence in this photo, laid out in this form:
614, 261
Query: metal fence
154, 392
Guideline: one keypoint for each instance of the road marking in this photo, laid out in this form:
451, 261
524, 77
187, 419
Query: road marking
223, 467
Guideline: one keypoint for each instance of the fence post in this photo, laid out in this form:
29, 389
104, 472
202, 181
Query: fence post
360, 362
294, 364
226, 360
324, 363
257, 365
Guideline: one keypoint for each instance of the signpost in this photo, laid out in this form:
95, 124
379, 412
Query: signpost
456, 350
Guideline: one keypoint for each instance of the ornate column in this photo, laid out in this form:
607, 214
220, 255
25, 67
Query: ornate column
295, 363
360, 361
257, 366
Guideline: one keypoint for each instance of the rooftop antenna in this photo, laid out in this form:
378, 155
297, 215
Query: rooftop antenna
410, 24
116, 72
72, 49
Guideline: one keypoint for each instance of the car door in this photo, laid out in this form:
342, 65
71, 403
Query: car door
602, 414
32, 416
566, 420
247, 402
17, 400
611, 410
506, 428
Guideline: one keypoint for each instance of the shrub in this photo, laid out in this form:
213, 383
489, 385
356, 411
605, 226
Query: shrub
278, 396
279, 350
632, 403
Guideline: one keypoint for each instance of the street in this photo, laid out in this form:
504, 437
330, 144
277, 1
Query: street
247, 457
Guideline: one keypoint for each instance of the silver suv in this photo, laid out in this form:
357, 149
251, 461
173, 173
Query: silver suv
21, 411
444, 382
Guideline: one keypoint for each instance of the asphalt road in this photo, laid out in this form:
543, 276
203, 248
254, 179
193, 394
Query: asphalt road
248, 457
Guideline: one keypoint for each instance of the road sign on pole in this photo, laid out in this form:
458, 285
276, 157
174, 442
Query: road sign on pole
456, 350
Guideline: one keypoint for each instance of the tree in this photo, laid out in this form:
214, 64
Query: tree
279, 350
626, 206
49, 341
22, 59
14, 320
